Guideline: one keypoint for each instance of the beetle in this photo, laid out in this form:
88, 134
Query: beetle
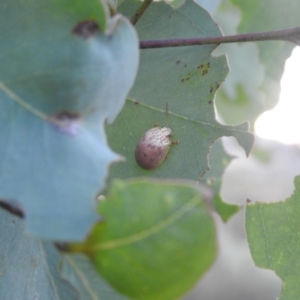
153, 147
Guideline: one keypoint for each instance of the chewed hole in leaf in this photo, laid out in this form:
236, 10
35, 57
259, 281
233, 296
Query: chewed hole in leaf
86, 29
66, 122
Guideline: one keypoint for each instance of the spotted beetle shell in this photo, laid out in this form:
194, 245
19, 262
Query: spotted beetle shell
153, 147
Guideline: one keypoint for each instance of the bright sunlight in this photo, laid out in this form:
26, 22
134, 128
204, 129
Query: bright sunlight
283, 122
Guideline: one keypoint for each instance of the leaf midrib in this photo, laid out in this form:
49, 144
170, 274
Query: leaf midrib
151, 231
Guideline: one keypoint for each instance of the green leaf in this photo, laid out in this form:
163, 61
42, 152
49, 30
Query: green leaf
273, 236
28, 267
77, 269
225, 210
186, 79
156, 240
58, 78
42, 169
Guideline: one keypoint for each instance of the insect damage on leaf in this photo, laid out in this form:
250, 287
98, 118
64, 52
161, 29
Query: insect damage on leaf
86, 29
66, 122
153, 147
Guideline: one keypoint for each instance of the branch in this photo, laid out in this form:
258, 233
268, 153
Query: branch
12, 208
291, 35
140, 11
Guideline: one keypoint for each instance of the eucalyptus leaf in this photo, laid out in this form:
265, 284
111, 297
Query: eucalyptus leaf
60, 64
157, 239
273, 236
28, 267
78, 269
185, 79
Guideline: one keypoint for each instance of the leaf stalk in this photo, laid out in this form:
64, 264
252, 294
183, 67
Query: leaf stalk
291, 35
140, 11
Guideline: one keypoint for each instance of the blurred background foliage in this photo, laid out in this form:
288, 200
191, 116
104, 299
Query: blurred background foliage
252, 87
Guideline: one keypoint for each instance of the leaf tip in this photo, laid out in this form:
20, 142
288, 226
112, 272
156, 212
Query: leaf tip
245, 138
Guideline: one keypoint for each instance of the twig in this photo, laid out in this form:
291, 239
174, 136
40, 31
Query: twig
291, 35
140, 11
12, 208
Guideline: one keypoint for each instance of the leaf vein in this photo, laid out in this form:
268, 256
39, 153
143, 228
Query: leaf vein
52, 282
21, 102
81, 277
215, 126
266, 236
151, 231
